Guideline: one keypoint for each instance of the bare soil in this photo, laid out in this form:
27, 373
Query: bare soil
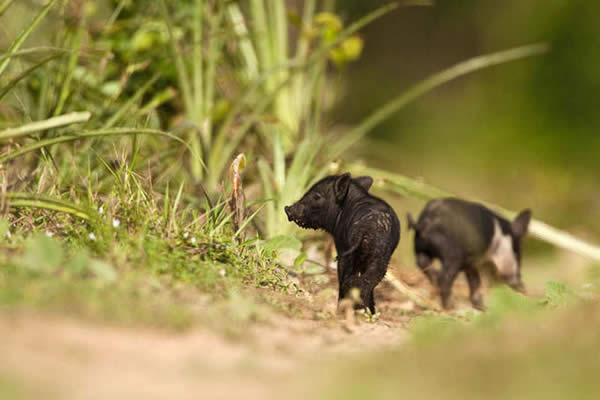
73, 359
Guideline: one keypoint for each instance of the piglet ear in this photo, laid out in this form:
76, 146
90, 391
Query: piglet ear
340, 187
364, 181
521, 223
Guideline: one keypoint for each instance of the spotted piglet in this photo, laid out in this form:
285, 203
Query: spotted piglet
464, 235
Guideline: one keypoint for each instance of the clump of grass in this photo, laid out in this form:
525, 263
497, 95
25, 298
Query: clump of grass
503, 303
133, 263
131, 245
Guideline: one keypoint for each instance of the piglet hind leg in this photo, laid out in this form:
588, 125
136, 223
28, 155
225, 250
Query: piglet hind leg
373, 274
425, 263
347, 283
474, 281
450, 269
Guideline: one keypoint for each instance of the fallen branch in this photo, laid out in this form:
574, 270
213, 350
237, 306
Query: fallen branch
415, 298
410, 187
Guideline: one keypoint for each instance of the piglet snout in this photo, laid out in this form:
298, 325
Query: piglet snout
288, 212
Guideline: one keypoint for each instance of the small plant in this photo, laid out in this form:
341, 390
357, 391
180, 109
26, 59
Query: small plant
369, 317
559, 294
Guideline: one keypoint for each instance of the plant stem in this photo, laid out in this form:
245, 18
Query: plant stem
425, 86
52, 123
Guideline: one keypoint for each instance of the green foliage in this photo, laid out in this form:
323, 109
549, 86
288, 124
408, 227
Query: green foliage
134, 269
330, 25
300, 259
4, 229
502, 300
282, 242
432, 328
502, 303
559, 294
43, 255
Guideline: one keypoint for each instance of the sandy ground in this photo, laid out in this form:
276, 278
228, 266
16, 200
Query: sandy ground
78, 360
55, 357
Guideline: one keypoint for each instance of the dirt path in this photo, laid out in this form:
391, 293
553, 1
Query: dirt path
73, 359
56, 357
77, 360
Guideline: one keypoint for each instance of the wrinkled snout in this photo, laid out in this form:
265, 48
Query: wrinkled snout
288, 211
295, 214
291, 212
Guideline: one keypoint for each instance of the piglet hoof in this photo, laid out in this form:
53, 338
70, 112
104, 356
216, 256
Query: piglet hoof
447, 305
344, 307
434, 291
477, 301
346, 311
478, 305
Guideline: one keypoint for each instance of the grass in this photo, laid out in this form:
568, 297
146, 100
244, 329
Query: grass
130, 265
13, 388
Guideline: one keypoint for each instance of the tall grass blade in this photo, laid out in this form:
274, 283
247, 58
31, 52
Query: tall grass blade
261, 34
301, 93
172, 222
127, 106
248, 220
92, 134
238, 24
269, 192
34, 50
438, 79
214, 55
51, 123
166, 206
16, 45
38, 201
73, 60
158, 100
224, 146
279, 54
221, 223
4, 6
278, 158
182, 74
11, 85
198, 63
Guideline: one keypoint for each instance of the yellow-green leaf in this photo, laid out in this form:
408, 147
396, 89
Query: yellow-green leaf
352, 48
329, 20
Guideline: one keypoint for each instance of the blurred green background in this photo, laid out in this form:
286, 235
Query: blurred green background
522, 134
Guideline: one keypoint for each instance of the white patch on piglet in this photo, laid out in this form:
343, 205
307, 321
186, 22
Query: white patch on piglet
501, 253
